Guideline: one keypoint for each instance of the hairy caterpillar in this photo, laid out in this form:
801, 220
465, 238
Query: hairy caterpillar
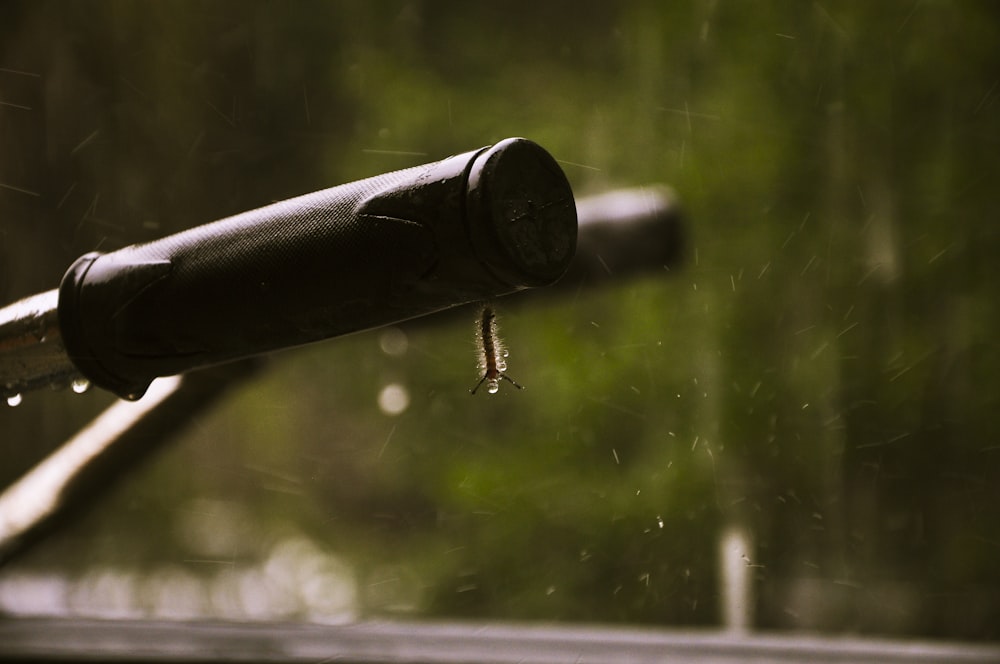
492, 355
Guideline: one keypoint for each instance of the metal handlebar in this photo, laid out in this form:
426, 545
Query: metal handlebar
369, 253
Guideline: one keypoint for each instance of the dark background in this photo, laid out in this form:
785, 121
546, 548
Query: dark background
820, 374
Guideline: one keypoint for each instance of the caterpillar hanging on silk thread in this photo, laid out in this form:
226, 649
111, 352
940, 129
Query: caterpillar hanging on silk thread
492, 354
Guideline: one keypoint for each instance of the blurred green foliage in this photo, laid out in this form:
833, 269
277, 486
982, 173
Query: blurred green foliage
821, 370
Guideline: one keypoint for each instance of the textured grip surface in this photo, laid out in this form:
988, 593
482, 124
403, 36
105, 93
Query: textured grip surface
328, 263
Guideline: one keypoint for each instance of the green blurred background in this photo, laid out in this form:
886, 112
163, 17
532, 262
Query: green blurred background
820, 374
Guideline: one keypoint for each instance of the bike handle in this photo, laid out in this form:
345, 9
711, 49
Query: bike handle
369, 253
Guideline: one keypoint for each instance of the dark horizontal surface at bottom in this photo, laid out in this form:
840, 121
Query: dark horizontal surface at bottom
42, 639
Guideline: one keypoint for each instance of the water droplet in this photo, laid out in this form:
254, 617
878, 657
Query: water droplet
493, 386
14, 400
80, 385
393, 341
393, 399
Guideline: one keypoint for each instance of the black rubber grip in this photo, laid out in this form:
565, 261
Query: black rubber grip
349, 258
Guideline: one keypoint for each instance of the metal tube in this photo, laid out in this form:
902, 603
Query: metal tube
70, 480
32, 354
